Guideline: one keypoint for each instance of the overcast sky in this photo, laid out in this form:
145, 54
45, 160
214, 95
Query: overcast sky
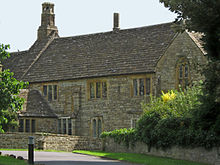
20, 19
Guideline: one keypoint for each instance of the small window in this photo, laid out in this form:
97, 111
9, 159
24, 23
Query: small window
69, 127
27, 125
97, 89
133, 123
182, 74
59, 126
99, 127
55, 92
92, 90
94, 127
33, 125
64, 126
104, 89
21, 125
45, 90
135, 87
141, 86
50, 91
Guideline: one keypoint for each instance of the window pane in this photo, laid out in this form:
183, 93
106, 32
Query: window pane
186, 71
27, 125
141, 87
135, 87
99, 127
55, 92
64, 126
92, 90
181, 71
98, 90
33, 126
59, 126
21, 125
50, 93
104, 89
69, 127
94, 128
45, 90
148, 86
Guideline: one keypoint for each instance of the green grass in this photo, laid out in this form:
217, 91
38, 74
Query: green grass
138, 158
4, 160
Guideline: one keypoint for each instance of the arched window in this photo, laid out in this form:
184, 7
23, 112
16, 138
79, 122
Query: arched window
182, 74
99, 127
94, 128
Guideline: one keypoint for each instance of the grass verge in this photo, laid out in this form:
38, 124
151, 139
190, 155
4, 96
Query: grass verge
5, 160
139, 158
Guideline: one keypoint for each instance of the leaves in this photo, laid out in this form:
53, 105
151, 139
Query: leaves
10, 102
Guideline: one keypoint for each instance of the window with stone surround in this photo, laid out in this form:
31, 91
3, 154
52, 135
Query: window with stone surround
50, 92
96, 127
182, 74
27, 125
141, 86
65, 125
97, 89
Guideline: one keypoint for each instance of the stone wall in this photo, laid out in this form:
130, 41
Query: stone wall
202, 155
49, 142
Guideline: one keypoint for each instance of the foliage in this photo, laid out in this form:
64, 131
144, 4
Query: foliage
138, 158
125, 136
204, 16
5, 160
169, 122
10, 88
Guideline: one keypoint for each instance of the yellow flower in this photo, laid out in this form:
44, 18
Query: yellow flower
168, 96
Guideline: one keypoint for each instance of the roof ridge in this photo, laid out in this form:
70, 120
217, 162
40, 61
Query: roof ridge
121, 30
38, 56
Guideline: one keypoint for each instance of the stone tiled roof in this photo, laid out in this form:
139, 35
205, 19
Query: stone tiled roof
128, 51
37, 106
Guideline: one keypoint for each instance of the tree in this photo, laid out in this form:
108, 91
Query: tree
10, 102
204, 16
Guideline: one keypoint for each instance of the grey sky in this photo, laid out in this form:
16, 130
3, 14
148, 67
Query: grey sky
19, 20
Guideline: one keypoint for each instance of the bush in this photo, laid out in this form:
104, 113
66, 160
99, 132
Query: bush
170, 120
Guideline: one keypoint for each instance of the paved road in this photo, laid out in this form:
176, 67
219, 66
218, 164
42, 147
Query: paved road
65, 158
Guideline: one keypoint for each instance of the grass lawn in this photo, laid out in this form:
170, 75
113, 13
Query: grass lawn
4, 160
139, 158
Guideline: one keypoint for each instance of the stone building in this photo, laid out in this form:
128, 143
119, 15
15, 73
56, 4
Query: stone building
82, 85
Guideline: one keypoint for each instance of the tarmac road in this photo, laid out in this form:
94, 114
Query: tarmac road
65, 158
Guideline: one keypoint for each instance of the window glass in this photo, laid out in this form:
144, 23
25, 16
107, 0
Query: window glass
98, 90
64, 126
27, 125
21, 125
148, 86
49, 92
104, 89
94, 127
55, 92
92, 90
135, 88
181, 71
59, 126
99, 127
45, 90
69, 127
186, 71
33, 126
141, 87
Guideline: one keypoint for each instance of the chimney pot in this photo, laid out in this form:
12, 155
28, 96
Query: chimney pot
116, 22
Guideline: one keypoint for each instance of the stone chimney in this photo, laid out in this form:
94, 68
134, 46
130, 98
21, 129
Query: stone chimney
47, 21
116, 22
